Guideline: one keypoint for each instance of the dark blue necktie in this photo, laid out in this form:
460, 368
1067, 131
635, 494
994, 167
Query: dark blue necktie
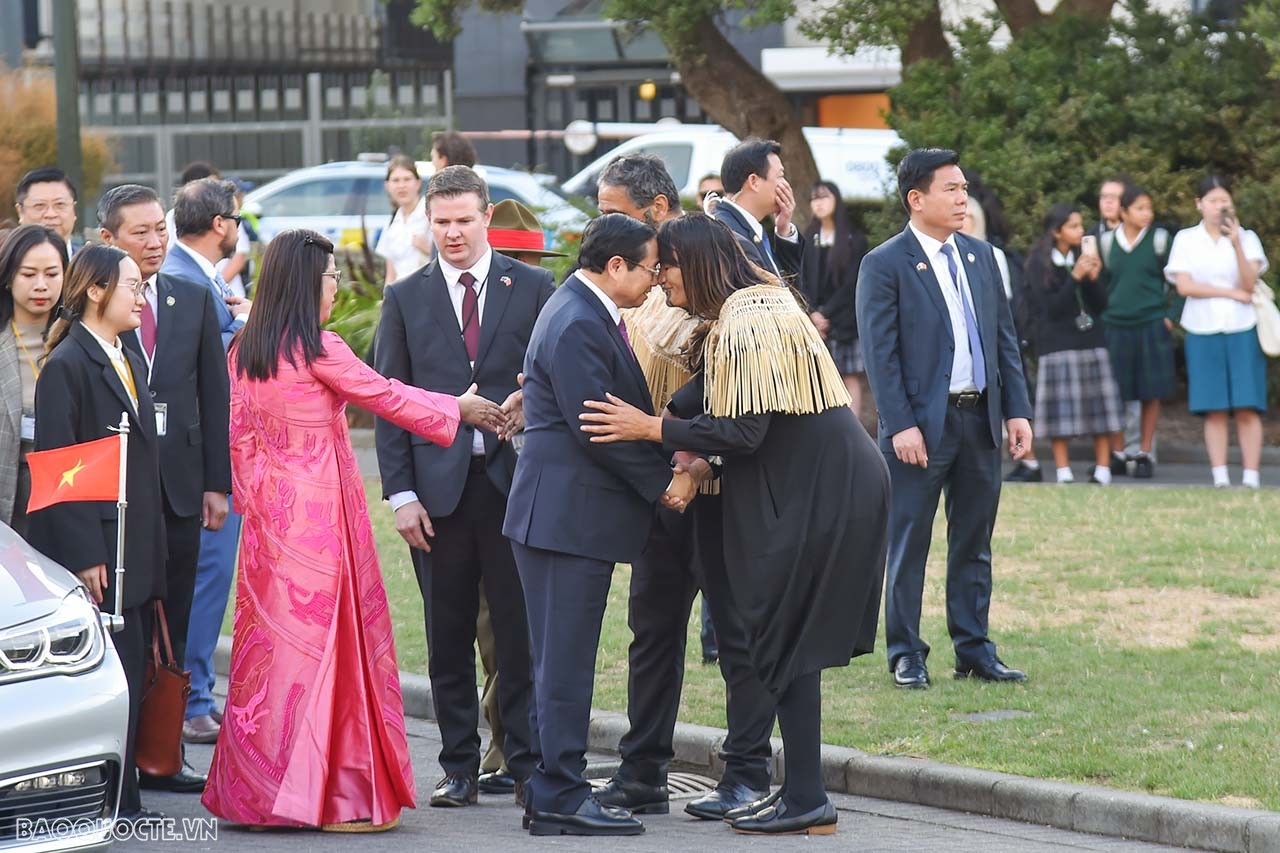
970, 323
767, 251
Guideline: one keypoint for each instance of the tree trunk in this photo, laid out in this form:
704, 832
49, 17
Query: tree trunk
741, 99
1098, 10
927, 39
1020, 15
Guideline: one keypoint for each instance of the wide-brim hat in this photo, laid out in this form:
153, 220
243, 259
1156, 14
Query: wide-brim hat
514, 229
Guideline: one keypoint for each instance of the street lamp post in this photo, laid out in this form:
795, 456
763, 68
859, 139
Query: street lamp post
66, 66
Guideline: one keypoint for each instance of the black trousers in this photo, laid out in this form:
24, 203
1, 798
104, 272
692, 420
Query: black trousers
966, 466
684, 554
182, 536
131, 647
468, 550
567, 597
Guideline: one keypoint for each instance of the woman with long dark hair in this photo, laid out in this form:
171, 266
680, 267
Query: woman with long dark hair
829, 281
313, 733
1076, 392
805, 491
33, 260
88, 379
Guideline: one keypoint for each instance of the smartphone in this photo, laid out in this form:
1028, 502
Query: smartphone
1225, 217
1089, 245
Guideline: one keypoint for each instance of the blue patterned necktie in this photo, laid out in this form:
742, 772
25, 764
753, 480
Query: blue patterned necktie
970, 323
767, 250
222, 286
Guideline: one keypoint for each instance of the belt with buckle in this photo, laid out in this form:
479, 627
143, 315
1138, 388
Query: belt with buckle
965, 399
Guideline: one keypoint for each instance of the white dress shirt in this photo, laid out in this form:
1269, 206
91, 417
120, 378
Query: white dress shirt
1213, 262
961, 359
115, 352
480, 271
615, 313
211, 273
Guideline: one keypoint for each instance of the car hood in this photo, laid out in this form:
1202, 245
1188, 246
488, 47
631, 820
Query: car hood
31, 585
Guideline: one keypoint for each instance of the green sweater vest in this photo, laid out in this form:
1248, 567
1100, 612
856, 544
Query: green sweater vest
1136, 290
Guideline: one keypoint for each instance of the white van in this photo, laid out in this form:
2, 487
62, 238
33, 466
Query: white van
853, 158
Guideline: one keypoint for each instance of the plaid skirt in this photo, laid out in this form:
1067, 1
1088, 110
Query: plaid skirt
847, 356
1142, 360
1076, 394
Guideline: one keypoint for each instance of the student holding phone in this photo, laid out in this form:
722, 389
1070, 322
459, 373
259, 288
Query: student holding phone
1215, 266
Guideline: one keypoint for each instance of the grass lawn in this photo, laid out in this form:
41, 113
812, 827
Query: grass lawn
1148, 621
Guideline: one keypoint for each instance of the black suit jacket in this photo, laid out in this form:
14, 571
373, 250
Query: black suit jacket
834, 295
189, 375
419, 342
908, 344
570, 495
79, 398
787, 253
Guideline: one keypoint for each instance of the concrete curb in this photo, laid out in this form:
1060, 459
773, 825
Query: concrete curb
1082, 808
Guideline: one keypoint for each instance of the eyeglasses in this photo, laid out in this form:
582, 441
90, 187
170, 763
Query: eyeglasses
653, 273
40, 208
237, 217
337, 275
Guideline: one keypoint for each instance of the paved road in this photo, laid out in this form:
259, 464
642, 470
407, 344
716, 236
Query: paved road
494, 826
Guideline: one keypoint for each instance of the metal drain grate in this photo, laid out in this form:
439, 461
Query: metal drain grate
683, 786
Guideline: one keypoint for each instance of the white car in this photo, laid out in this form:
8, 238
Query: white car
344, 200
64, 709
855, 159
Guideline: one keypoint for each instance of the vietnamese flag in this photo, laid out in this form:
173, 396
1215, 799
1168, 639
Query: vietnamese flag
79, 472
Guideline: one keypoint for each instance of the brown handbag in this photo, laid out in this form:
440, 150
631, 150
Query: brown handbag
158, 742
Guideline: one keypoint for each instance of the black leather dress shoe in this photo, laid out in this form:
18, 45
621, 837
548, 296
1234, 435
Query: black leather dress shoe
1024, 473
496, 782
591, 818
778, 820
722, 800
990, 670
753, 806
185, 781
635, 797
455, 790
909, 671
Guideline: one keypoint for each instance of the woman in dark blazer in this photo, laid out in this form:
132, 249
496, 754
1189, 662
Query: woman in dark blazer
829, 280
87, 380
805, 492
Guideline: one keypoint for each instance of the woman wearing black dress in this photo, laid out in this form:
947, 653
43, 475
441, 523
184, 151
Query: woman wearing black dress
805, 490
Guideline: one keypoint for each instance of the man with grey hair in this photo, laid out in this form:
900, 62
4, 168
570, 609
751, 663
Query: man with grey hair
206, 219
639, 186
462, 321
187, 375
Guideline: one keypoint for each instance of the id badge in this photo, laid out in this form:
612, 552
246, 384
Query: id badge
162, 419
28, 428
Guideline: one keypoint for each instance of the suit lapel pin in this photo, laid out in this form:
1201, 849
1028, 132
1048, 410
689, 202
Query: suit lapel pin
170, 301
922, 266
756, 238
970, 257
506, 280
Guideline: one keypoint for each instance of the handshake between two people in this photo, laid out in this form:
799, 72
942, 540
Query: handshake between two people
504, 420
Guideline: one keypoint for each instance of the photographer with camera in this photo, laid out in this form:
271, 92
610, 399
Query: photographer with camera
1215, 265
1076, 392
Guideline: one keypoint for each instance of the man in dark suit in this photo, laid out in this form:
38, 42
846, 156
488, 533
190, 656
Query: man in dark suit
462, 320
756, 187
577, 507
206, 221
187, 375
942, 358
666, 576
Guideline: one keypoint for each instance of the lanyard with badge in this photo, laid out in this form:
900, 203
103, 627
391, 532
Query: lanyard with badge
28, 421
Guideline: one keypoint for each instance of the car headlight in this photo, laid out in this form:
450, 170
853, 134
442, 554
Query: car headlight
67, 641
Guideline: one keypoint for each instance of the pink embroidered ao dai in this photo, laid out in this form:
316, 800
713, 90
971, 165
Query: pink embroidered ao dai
313, 731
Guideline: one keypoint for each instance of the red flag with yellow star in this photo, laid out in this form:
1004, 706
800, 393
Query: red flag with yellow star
79, 472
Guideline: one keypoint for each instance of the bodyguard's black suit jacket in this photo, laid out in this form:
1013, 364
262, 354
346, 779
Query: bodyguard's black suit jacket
908, 344
569, 495
787, 253
79, 398
420, 343
189, 375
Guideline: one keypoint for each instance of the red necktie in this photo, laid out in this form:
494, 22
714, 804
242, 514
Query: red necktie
470, 315
626, 339
148, 329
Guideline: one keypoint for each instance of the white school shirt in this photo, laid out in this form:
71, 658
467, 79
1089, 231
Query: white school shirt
1213, 262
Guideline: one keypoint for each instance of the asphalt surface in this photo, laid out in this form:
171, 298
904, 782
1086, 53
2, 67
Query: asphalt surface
866, 824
